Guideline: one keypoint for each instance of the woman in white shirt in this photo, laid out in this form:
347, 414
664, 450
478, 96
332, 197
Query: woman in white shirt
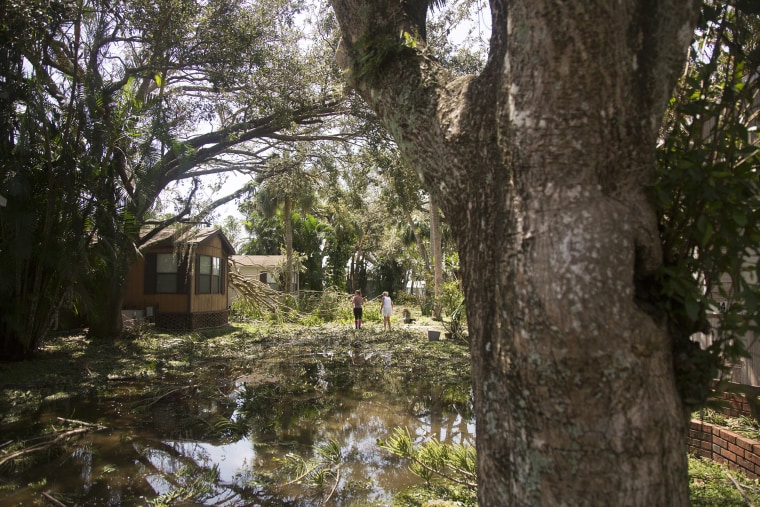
386, 309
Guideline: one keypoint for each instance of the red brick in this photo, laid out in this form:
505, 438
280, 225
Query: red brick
746, 465
744, 443
728, 455
754, 458
736, 449
720, 442
728, 436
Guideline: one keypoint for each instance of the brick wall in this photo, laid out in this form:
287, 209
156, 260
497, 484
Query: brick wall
725, 446
735, 405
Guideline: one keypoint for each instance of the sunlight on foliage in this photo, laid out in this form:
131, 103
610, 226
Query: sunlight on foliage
714, 485
322, 471
451, 466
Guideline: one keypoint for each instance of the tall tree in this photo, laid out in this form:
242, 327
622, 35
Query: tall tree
147, 95
286, 185
541, 164
43, 228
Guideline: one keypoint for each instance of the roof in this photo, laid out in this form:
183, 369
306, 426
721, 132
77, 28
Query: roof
264, 261
191, 236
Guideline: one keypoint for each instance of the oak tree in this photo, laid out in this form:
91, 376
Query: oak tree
541, 164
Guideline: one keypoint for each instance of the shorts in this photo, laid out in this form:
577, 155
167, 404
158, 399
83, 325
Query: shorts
358, 313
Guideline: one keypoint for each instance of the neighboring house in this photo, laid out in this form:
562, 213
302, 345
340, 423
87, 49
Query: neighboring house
747, 371
181, 280
264, 268
745, 375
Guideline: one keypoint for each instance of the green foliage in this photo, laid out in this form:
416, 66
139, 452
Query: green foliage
196, 484
744, 425
453, 306
321, 471
44, 228
404, 298
708, 195
389, 276
714, 485
266, 236
453, 467
107, 105
324, 306
376, 52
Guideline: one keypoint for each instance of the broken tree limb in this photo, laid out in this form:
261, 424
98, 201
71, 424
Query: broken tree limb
45, 445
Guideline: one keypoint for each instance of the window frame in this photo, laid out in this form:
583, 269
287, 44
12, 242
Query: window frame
209, 278
169, 277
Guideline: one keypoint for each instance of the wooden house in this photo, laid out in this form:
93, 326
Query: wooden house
180, 281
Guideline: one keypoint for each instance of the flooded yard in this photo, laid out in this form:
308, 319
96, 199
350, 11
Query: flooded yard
239, 417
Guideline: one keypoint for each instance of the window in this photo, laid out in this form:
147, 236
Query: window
166, 273
209, 279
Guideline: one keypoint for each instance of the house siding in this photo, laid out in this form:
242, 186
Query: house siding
209, 302
136, 299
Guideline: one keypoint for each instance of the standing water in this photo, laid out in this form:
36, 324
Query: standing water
252, 431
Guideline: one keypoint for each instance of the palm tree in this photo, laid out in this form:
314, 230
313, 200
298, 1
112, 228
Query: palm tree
286, 185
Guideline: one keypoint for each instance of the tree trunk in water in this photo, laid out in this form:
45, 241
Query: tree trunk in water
541, 164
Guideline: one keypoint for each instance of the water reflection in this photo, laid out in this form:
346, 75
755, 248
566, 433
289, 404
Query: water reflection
228, 451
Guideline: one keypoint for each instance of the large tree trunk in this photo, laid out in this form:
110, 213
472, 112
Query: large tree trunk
108, 297
108, 285
540, 165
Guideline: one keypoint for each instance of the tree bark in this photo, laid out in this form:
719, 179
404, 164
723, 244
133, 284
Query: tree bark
541, 165
108, 297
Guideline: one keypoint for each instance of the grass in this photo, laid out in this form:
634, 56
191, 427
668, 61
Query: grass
714, 485
743, 425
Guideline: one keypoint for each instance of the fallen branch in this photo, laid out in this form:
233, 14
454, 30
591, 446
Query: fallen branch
167, 393
335, 487
79, 423
42, 446
739, 488
50, 498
